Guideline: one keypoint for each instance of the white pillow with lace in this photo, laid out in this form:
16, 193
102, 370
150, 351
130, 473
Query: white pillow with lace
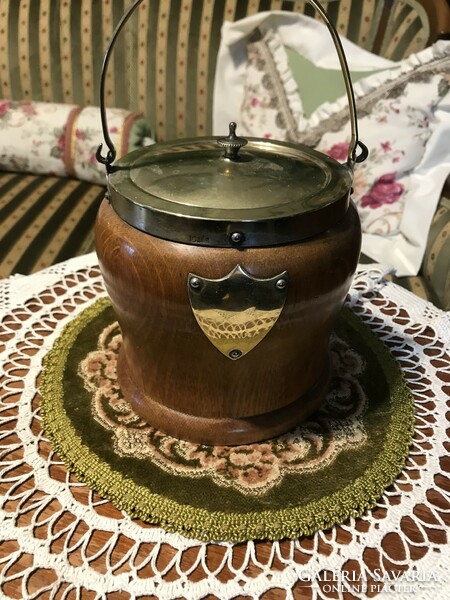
404, 119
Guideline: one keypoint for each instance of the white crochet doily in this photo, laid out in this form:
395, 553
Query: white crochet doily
60, 540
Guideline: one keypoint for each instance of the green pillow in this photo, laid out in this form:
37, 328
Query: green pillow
317, 85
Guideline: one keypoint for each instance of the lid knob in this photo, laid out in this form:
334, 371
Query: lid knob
232, 143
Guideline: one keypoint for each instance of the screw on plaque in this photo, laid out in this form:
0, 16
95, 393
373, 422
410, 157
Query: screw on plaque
232, 143
195, 283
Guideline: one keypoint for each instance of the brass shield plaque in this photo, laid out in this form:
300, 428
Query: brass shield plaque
237, 311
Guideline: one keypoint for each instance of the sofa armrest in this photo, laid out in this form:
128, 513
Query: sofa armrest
436, 263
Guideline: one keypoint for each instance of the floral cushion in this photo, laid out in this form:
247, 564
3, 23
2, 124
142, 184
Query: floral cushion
404, 119
62, 139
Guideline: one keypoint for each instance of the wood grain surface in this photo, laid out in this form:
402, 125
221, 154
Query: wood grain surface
169, 360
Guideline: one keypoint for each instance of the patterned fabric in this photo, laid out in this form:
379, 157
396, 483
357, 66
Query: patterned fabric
164, 61
127, 131
196, 24
44, 220
33, 136
62, 139
433, 282
403, 119
436, 264
52, 51
407, 31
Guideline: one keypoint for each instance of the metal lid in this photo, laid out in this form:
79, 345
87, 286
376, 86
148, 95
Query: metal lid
268, 194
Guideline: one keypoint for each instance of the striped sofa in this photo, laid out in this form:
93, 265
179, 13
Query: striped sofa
163, 66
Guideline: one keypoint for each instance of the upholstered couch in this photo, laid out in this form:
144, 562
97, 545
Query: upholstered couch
163, 67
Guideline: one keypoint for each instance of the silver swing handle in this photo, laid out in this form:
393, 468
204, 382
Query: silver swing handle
354, 142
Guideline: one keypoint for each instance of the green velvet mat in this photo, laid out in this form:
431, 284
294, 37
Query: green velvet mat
333, 467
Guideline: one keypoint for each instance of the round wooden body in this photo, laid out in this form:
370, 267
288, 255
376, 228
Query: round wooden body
169, 371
